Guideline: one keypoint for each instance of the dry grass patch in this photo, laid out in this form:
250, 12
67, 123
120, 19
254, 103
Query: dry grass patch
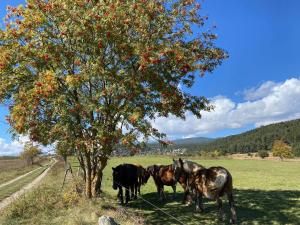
50, 204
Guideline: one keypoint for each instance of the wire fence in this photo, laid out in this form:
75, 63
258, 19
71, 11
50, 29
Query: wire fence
155, 206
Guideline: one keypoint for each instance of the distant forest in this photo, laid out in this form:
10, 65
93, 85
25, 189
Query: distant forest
256, 140
259, 139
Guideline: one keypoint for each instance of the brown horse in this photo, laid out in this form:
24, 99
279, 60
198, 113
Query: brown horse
212, 183
164, 175
143, 176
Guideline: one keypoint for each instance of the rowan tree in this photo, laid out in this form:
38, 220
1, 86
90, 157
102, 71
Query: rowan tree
64, 148
30, 152
282, 149
97, 72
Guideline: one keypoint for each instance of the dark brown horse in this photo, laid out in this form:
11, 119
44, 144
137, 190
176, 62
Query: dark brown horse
143, 176
212, 183
125, 176
164, 175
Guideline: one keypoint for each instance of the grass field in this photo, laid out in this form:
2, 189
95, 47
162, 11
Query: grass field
267, 192
12, 168
51, 204
7, 190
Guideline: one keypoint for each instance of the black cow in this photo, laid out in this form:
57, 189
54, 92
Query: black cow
125, 175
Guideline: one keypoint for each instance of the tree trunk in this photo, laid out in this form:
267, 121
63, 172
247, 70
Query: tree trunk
97, 181
88, 180
88, 184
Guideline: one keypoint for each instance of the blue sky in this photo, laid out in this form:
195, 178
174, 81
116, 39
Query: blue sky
257, 85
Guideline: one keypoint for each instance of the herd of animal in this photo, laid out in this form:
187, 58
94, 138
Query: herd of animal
196, 181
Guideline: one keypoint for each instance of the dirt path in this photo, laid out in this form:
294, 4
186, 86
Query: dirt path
26, 188
18, 178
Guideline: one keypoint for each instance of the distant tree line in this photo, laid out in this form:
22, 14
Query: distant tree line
260, 139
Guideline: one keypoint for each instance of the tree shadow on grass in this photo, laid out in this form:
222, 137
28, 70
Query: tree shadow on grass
253, 207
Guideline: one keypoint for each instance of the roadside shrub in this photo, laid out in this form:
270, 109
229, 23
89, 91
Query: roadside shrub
71, 197
263, 154
41, 199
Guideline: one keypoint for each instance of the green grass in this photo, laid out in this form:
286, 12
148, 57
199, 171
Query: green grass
7, 190
266, 192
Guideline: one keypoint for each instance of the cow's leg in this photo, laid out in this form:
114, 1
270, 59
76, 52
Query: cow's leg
120, 195
198, 202
232, 208
174, 191
220, 207
127, 195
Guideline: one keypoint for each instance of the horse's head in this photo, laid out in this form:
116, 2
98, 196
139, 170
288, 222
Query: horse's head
116, 178
178, 168
145, 176
152, 170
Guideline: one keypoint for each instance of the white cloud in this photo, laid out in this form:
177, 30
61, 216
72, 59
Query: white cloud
15, 147
259, 92
269, 103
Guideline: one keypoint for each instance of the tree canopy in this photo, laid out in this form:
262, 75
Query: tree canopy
282, 149
96, 72
30, 152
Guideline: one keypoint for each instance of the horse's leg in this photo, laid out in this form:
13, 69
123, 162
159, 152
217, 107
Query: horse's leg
120, 195
162, 193
136, 187
174, 191
198, 202
139, 188
132, 191
189, 197
158, 191
184, 197
127, 195
220, 207
232, 208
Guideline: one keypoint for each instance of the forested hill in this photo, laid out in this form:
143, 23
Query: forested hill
258, 139
191, 141
190, 144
